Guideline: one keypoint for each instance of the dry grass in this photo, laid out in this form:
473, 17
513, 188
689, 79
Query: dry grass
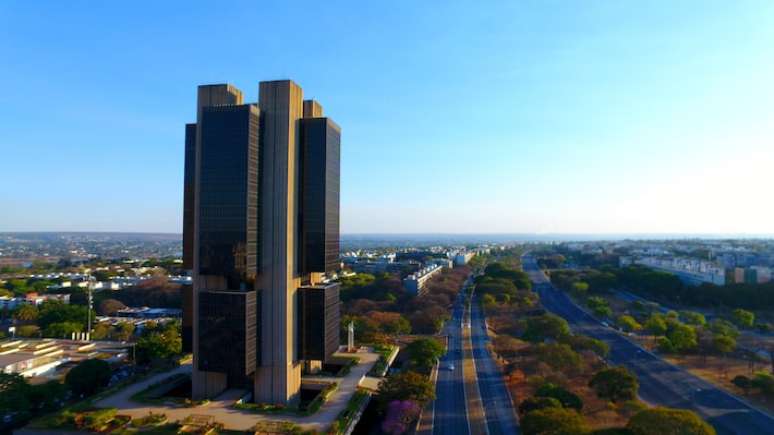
720, 371
522, 375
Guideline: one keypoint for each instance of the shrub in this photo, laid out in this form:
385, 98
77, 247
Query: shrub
667, 421
535, 403
554, 421
565, 397
88, 377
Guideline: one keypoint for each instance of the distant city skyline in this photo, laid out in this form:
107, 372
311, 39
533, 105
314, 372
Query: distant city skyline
515, 118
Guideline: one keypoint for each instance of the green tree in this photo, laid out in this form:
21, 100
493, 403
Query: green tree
534, 403
26, 313
62, 329
682, 337
723, 344
88, 377
567, 398
405, 386
554, 421
743, 318
656, 325
724, 327
580, 343
546, 326
560, 357
47, 397
424, 352
693, 318
599, 306
488, 301
58, 312
14, 397
159, 343
615, 384
123, 331
667, 421
579, 289
764, 382
28, 331
628, 323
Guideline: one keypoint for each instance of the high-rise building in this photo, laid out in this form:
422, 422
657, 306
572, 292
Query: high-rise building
261, 237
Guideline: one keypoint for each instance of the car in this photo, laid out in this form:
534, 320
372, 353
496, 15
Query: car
450, 367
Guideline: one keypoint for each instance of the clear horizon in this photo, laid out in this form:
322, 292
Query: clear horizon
565, 118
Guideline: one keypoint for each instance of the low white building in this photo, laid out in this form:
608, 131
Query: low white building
415, 283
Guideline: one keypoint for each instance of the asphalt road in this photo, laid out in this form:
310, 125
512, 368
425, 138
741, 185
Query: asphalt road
450, 412
500, 415
660, 382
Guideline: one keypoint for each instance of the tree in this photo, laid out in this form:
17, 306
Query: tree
406, 386
424, 352
656, 325
62, 329
724, 327
101, 331
693, 318
764, 382
28, 331
47, 397
723, 344
743, 318
400, 413
58, 312
553, 421
159, 343
534, 403
488, 301
742, 382
26, 313
506, 346
88, 377
123, 331
579, 289
540, 328
109, 307
682, 337
567, 398
599, 306
14, 396
615, 384
628, 323
580, 343
560, 357
667, 421
390, 323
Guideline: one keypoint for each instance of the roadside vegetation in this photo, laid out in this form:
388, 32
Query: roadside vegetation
386, 317
559, 380
726, 348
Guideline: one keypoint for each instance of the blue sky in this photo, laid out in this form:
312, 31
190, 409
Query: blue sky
528, 116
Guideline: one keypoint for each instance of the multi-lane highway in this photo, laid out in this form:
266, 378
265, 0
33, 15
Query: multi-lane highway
450, 411
499, 411
660, 382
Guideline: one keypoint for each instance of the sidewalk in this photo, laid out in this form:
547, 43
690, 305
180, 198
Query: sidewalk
221, 407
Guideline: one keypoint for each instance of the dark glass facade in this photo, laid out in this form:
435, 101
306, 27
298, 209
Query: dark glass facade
189, 195
228, 194
186, 293
228, 331
318, 241
318, 321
